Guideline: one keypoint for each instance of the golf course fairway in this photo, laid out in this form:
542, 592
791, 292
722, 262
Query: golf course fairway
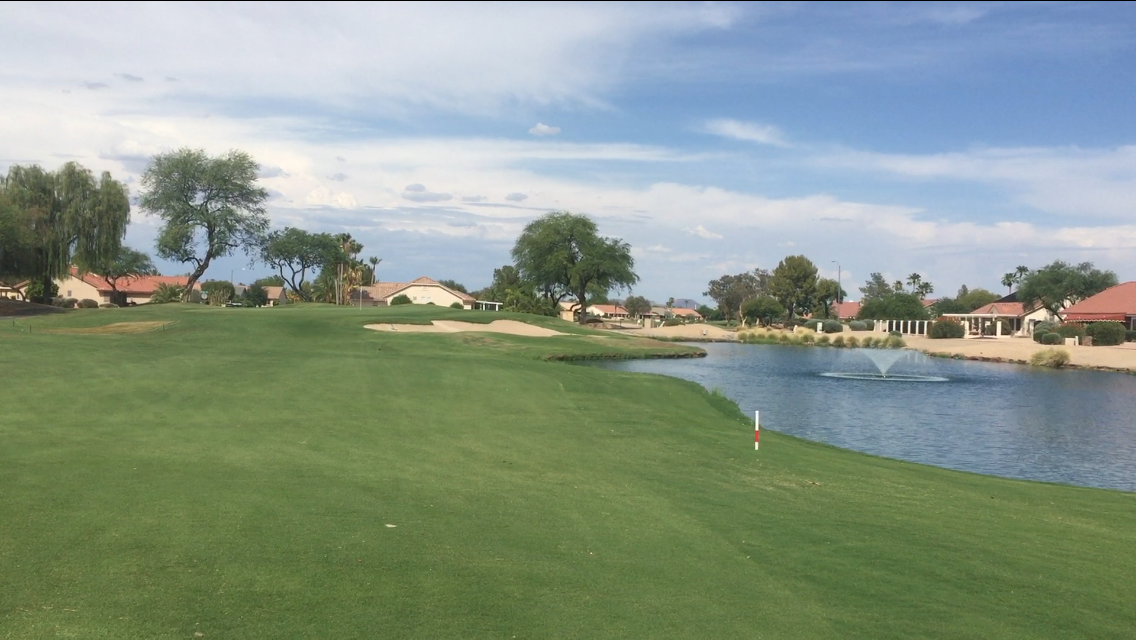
286, 473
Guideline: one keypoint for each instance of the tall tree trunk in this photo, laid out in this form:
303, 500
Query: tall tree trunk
582, 297
47, 297
193, 277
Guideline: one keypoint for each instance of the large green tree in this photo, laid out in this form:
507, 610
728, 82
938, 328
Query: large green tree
209, 206
1058, 284
794, 284
504, 279
827, 293
765, 308
730, 292
564, 251
127, 263
54, 220
876, 287
897, 306
636, 306
292, 252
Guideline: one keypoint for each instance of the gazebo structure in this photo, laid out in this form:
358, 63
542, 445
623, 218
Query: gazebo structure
1001, 319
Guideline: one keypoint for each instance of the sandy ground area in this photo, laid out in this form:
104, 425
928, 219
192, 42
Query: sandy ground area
511, 327
696, 331
1119, 357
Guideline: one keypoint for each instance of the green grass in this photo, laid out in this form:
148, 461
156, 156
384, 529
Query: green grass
232, 474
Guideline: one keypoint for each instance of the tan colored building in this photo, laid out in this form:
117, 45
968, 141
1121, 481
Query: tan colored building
420, 291
276, 296
13, 292
88, 286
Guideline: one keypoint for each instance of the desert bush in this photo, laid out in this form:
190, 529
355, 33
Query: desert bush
401, 299
1105, 334
895, 342
1071, 330
1052, 338
858, 325
808, 338
64, 303
167, 293
941, 329
1055, 358
672, 322
838, 341
852, 342
108, 305
823, 341
1130, 335
456, 305
87, 303
897, 334
833, 326
1042, 328
868, 342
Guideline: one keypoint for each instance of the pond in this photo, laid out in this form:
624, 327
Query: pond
1074, 427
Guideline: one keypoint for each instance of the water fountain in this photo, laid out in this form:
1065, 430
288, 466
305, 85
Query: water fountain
884, 359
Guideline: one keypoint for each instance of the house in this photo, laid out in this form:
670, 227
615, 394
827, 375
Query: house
845, 311
420, 291
1004, 317
607, 311
88, 286
568, 310
1115, 303
689, 315
13, 291
276, 296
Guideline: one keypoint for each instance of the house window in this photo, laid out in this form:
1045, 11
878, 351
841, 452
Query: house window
68, 293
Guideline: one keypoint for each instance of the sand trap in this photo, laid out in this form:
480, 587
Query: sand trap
511, 327
697, 331
1118, 357
118, 327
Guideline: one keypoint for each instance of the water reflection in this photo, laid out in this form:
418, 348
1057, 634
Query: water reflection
1076, 427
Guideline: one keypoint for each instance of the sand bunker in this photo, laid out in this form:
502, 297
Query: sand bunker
696, 331
511, 327
118, 327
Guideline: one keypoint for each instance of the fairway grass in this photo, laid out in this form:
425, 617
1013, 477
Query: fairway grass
235, 473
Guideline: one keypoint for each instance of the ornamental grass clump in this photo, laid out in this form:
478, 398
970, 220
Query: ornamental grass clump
1054, 358
852, 342
838, 342
823, 341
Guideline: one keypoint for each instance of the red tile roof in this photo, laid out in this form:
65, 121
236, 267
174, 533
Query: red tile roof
847, 309
142, 285
1014, 309
1114, 303
683, 312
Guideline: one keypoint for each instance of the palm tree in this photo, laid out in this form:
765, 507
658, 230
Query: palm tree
374, 265
1008, 281
897, 286
1022, 273
914, 280
923, 289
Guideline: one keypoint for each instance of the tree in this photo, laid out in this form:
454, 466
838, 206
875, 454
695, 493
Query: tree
374, 260
128, 263
637, 305
56, 220
293, 251
923, 289
505, 278
731, 291
209, 207
453, 284
562, 250
218, 292
271, 281
1058, 285
828, 292
255, 295
914, 280
897, 306
350, 272
167, 293
1009, 280
973, 299
897, 286
794, 284
709, 313
765, 308
875, 287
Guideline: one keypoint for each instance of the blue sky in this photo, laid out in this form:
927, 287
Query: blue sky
957, 140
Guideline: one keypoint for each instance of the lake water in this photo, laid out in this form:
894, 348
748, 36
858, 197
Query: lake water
1074, 427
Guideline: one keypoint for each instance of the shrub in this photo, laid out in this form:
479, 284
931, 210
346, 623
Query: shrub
858, 325
895, 342
838, 341
1130, 335
868, 342
1105, 334
167, 293
989, 329
1071, 330
456, 305
823, 341
401, 299
833, 326
672, 322
852, 342
941, 329
897, 334
1055, 358
64, 303
108, 305
1052, 338
87, 303
1042, 328
808, 338
783, 338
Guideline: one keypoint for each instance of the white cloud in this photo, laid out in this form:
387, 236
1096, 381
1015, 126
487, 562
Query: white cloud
702, 232
747, 131
419, 193
516, 197
542, 129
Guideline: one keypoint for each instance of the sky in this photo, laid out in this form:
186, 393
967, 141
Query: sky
953, 140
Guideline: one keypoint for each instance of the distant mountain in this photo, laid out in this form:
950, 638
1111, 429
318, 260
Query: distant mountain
686, 303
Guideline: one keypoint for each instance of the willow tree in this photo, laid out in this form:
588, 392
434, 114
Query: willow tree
210, 207
563, 251
65, 218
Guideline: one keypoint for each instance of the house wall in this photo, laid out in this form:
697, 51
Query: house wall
72, 287
425, 294
1034, 317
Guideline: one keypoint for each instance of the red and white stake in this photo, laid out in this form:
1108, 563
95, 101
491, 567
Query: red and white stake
756, 430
